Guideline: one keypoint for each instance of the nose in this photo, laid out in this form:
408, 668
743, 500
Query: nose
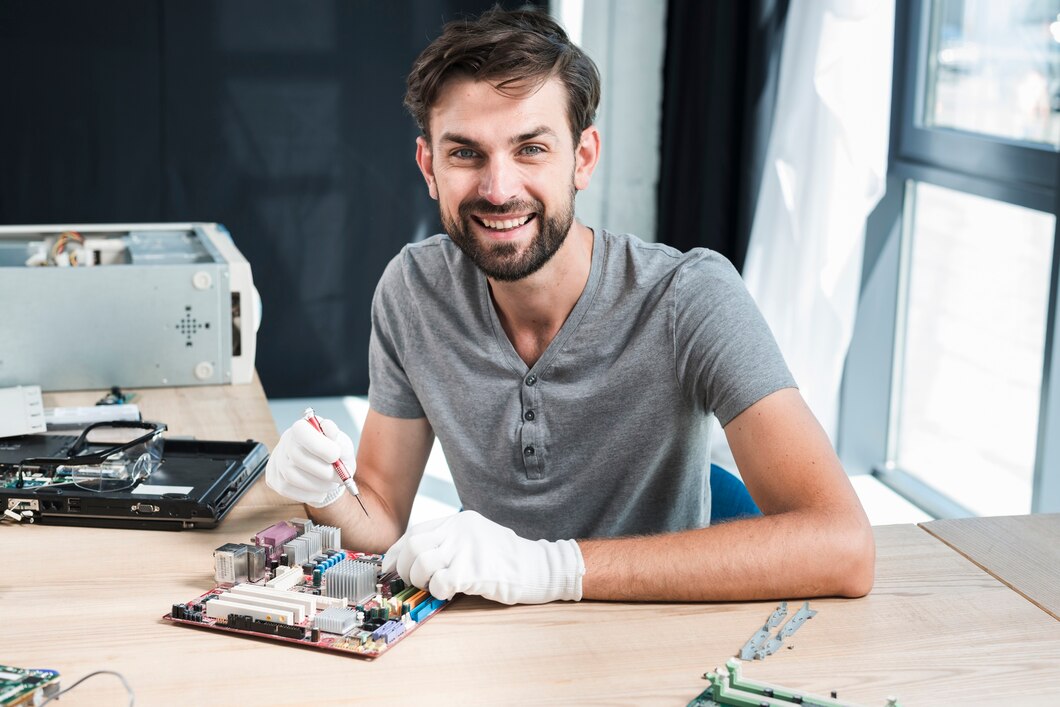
498, 182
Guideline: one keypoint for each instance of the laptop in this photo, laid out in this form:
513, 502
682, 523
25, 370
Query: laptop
193, 485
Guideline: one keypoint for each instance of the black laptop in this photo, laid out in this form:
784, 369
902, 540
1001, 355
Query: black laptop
57, 479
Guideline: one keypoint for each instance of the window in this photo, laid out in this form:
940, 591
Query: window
959, 311
991, 68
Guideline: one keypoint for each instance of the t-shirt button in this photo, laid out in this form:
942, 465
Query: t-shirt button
529, 415
531, 379
528, 451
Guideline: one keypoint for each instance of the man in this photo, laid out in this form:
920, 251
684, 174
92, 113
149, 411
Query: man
570, 374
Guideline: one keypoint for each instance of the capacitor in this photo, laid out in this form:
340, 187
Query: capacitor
283, 559
314, 635
317, 574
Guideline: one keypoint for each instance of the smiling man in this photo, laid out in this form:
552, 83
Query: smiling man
569, 373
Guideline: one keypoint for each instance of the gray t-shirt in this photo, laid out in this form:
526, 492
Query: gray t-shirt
608, 433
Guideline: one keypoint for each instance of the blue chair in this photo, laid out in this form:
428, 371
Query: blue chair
729, 498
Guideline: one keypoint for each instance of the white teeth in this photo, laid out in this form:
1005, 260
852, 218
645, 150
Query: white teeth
505, 225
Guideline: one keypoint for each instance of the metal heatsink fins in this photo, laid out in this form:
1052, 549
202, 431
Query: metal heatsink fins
312, 543
351, 579
336, 620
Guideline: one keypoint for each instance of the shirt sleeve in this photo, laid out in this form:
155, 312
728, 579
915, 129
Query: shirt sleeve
389, 391
725, 354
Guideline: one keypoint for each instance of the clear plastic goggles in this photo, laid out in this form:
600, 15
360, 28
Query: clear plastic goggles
107, 456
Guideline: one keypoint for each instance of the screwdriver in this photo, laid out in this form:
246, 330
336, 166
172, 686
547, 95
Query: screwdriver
340, 468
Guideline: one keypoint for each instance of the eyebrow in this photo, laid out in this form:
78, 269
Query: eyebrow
459, 140
537, 132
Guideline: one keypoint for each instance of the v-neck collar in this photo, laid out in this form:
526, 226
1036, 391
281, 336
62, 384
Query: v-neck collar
515, 362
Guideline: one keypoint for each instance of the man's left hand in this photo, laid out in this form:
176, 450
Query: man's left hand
469, 554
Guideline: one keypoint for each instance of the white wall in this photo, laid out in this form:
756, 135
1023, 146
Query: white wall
628, 48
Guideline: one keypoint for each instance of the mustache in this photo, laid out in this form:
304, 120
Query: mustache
486, 208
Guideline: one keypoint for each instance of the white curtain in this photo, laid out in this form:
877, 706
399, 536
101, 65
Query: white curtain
825, 170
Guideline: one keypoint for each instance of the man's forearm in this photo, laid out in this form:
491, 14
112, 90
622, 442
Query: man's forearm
795, 554
390, 463
374, 532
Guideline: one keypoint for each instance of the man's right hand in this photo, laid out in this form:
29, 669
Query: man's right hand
300, 465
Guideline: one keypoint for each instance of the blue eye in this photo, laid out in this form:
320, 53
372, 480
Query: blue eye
464, 153
532, 150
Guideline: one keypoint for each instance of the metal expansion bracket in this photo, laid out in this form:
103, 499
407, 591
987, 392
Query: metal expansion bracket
755, 643
788, 630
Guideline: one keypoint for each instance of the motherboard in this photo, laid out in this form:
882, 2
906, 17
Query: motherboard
293, 583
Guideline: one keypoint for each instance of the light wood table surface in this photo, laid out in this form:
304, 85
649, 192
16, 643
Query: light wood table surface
935, 630
1021, 551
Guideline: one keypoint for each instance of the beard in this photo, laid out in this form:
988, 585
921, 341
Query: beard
505, 261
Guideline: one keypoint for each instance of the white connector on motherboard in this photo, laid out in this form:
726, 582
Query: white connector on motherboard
286, 577
307, 601
221, 608
296, 610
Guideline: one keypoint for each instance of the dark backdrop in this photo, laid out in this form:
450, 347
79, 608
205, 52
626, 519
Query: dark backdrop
720, 83
282, 120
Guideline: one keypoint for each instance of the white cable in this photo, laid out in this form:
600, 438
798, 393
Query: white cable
132, 695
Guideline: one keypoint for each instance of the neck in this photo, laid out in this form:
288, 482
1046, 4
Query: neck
533, 309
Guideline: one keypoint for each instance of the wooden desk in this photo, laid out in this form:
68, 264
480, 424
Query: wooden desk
1021, 551
935, 630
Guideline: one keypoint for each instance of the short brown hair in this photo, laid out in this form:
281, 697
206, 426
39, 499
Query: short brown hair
510, 49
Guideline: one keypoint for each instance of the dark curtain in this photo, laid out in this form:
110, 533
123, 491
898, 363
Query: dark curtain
282, 120
719, 90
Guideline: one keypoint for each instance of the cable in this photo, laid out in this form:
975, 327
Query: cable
60, 246
132, 695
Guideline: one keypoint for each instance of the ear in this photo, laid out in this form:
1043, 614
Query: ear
586, 155
426, 165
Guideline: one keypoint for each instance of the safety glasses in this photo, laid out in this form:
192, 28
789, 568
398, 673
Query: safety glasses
106, 456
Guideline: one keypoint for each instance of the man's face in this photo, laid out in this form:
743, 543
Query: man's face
504, 171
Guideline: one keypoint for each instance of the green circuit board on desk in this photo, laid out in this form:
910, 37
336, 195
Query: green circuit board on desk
294, 584
26, 686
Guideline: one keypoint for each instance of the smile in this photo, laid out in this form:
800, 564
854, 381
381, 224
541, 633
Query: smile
504, 224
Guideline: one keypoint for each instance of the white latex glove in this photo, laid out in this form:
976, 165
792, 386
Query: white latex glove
300, 465
470, 554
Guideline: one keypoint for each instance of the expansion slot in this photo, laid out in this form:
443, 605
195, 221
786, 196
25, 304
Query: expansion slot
308, 601
297, 611
286, 577
221, 608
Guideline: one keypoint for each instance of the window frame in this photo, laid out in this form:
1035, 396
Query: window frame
1025, 174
